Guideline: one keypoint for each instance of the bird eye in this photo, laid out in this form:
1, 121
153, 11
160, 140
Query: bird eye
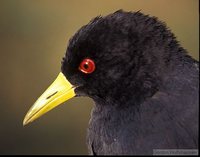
87, 66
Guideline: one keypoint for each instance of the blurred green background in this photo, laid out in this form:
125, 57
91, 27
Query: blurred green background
33, 39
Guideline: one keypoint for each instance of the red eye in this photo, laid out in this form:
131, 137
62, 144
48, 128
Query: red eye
87, 66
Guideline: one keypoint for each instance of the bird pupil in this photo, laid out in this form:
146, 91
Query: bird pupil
85, 66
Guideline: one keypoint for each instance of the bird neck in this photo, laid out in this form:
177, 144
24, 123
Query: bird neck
113, 111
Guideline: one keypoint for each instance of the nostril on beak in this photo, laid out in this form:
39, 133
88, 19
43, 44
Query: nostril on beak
51, 95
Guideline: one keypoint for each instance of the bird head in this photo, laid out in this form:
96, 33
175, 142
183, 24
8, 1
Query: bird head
113, 59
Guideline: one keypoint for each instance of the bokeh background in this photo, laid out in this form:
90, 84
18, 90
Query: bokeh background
33, 39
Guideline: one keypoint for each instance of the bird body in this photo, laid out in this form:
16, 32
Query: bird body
167, 120
144, 84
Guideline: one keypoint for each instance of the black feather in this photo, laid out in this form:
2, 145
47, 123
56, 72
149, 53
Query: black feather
145, 86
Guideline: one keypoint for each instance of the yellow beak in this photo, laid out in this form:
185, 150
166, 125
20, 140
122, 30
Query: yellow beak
58, 92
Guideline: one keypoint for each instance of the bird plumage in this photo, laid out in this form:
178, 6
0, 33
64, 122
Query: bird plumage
145, 85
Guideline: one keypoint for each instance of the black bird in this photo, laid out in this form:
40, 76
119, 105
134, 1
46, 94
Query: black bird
144, 84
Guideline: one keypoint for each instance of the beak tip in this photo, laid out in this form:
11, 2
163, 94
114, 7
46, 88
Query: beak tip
25, 121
